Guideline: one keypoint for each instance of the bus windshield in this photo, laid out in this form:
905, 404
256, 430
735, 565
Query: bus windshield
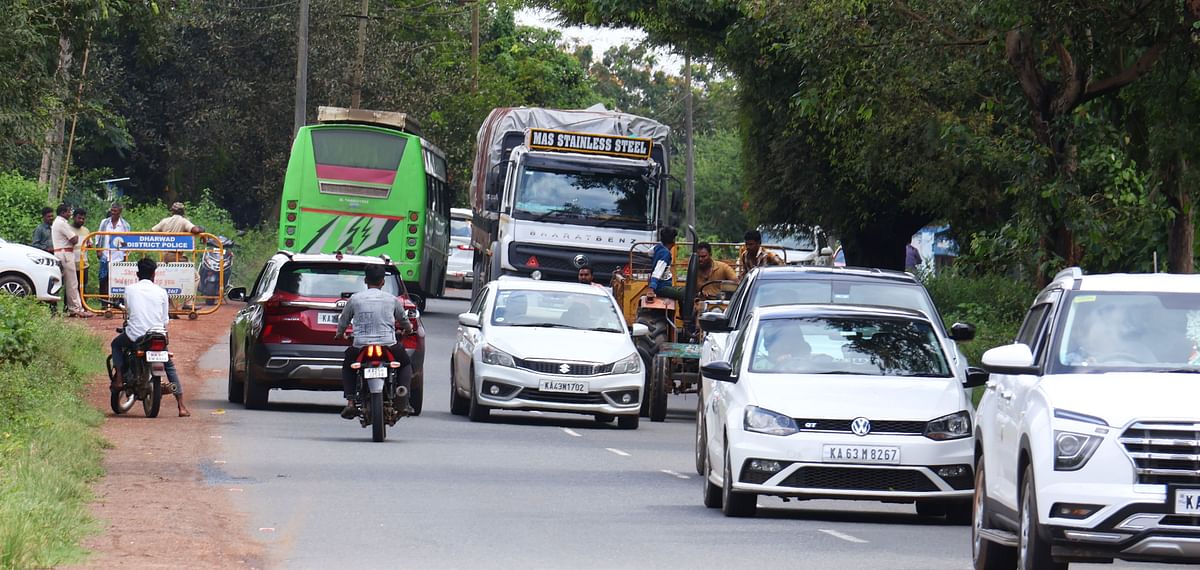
583, 198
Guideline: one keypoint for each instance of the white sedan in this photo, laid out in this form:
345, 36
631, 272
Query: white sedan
27, 271
535, 345
844, 402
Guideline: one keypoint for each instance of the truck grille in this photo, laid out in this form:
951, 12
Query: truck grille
1164, 452
557, 367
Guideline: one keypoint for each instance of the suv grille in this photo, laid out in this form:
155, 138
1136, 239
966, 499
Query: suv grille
859, 479
556, 367
877, 426
1164, 452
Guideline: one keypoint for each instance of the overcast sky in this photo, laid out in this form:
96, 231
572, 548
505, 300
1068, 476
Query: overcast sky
599, 38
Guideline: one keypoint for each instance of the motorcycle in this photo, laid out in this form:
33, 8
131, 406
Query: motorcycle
377, 389
211, 266
145, 374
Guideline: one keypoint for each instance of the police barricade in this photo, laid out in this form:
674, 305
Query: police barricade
179, 256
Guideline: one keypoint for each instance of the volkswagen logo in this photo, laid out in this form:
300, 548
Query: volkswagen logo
580, 260
860, 426
564, 368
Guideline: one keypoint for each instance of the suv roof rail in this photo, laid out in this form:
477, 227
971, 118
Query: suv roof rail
288, 253
1073, 273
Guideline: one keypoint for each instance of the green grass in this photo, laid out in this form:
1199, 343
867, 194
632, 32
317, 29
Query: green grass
49, 447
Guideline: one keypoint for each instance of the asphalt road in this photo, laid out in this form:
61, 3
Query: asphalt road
525, 490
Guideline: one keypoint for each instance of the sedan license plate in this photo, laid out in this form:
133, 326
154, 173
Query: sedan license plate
860, 454
563, 386
1187, 501
157, 356
378, 372
327, 318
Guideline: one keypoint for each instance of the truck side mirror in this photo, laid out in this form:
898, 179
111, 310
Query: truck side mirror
676, 202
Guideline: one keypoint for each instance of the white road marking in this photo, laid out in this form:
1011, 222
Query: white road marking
617, 451
843, 536
572, 432
674, 474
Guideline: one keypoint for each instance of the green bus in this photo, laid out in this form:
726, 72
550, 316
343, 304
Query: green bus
366, 183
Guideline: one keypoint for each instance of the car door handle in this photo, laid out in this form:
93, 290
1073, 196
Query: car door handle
1006, 395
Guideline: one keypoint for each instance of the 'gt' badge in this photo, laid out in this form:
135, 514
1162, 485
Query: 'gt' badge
564, 368
860, 426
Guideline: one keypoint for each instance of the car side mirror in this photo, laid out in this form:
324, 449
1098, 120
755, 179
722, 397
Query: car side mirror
468, 320
826, 251
347, 294
639, 329
962, 332
718, 370
1013, 358
976, 377
237, 294
714, 322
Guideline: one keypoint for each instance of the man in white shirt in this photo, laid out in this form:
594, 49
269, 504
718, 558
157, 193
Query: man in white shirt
113, 223
63, 238
146, 309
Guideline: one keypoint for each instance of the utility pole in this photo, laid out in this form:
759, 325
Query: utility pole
475, 47
360, 63
301, 68
690, 180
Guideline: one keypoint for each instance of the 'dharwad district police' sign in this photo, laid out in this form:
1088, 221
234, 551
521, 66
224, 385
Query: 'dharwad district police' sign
155, 242
608, 145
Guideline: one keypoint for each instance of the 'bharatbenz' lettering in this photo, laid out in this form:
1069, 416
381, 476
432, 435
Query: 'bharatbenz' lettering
564, 236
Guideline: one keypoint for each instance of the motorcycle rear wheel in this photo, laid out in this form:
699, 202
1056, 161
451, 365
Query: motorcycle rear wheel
154, 399
378, 423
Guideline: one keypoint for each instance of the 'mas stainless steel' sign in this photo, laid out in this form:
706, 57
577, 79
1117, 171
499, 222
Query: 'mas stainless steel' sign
587, 143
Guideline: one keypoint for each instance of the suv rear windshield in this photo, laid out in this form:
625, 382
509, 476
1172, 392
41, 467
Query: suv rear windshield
330, 280
812, 291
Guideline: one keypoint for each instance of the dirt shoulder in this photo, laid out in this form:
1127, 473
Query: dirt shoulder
156, 508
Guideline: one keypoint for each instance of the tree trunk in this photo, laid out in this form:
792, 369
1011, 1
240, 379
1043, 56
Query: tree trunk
1181, 233
52, 152
881, 245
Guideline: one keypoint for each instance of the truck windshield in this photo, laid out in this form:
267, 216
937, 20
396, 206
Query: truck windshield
583, 198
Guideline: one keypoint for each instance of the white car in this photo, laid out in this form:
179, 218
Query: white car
837, 401
535, 345
1089, 430
460, 271
26, 271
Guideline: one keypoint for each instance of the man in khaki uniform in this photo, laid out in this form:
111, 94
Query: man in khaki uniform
709, 269
63, 239
177, 224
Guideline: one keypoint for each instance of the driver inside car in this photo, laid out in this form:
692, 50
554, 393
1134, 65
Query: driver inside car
786, 351
375, 314
1104, 337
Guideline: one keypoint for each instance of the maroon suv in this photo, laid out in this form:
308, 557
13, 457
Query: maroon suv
283, 338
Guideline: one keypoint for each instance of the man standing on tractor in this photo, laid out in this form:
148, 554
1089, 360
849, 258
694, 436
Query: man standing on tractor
753, 255
660, 275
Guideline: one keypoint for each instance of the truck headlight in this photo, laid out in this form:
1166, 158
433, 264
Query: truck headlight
762, 420
1073, 450
497, 357
629, 365
953, 426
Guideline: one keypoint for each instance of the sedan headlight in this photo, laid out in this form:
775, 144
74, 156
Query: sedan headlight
42, 260
953, 426
762, 420
629, 365
497, 357
1073, 450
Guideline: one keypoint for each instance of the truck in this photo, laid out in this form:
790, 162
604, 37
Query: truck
553, 190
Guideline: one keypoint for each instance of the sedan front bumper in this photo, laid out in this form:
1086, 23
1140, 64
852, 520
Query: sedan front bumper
507, 388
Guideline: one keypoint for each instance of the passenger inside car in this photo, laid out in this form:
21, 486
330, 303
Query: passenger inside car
786, 350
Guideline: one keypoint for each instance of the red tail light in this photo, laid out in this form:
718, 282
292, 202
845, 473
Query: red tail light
157, 344
412, 228
533, 262
465, 247
411, 341
412, 216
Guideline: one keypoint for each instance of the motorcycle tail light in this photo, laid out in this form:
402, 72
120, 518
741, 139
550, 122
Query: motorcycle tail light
158, 344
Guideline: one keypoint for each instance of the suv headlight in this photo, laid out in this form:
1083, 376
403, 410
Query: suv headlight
42, 260
1073, 450
497, 357
953, 426
629, 365
762, 420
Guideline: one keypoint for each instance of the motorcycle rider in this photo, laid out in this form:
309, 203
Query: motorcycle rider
146, 306
374, 314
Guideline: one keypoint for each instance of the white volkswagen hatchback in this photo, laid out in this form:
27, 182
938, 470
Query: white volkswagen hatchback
845, 402
536, 345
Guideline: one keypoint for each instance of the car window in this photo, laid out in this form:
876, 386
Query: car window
262, 287
477, 304
328, 280
1034, 319
1119, 331
810, 291
870, 345
734, 312
566, 309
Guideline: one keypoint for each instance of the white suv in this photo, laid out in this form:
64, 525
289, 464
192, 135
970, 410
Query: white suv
1088, 435
29, 271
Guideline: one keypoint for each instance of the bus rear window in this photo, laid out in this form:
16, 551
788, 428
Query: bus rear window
358, 148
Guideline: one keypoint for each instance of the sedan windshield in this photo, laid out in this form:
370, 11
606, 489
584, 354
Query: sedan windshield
583, 198
1111, 332
555, 309
874, 346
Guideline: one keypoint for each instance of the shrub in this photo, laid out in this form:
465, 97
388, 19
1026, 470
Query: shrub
995, 304
21, 203
18, 326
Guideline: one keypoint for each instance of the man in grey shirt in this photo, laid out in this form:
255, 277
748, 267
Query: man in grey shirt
374, 314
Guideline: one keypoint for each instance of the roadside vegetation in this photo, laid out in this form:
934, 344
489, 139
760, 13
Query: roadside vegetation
49, 448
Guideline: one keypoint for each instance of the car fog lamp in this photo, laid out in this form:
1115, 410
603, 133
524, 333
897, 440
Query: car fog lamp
1073, 511
495, 391
952, 471
536, 275
765, 466
626, 398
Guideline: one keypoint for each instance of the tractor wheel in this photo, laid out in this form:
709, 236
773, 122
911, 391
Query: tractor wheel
649, 345
660, 378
